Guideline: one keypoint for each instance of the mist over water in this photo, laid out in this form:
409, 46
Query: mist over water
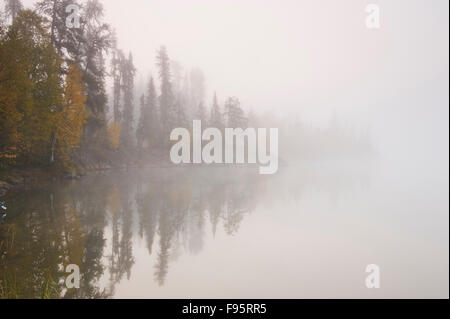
363, 165
306, 232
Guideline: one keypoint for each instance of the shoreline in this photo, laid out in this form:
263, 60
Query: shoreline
23, 178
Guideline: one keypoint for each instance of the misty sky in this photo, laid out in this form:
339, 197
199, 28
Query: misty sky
309, 58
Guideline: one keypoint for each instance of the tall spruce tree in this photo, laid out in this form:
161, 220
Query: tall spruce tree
167, 106
12, 8
117, 57
66, 40
216, 119
140, 132
96, 42
152, 106
128, 73
84, 46
234, 113
147, 133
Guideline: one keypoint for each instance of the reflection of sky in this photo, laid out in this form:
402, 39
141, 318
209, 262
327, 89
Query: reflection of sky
311, 234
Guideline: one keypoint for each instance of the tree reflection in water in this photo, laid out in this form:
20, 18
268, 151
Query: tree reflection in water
52, 227
94, 222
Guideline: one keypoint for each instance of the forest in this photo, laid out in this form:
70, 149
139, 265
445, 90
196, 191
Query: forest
69, 99
54, 96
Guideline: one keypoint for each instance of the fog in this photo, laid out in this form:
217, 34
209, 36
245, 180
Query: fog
308, 59
363, 118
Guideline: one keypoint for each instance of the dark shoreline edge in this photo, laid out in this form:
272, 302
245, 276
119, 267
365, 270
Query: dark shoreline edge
27, 178
16, 179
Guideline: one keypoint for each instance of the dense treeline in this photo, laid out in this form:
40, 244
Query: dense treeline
57, 111
179, 100
53, 95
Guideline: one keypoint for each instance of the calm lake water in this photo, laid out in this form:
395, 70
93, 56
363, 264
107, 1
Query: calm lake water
306, 232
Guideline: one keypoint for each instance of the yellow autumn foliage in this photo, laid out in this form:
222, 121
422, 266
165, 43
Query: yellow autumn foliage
114, 130
72, 116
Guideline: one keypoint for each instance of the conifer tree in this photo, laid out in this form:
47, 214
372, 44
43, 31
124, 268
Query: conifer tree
66, 40
147, 132
12, 8
128, 73
84, 46
216, 119
166, 98
234, 113
117, 57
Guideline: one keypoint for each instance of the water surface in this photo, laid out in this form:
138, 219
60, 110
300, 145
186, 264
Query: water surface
307, 232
